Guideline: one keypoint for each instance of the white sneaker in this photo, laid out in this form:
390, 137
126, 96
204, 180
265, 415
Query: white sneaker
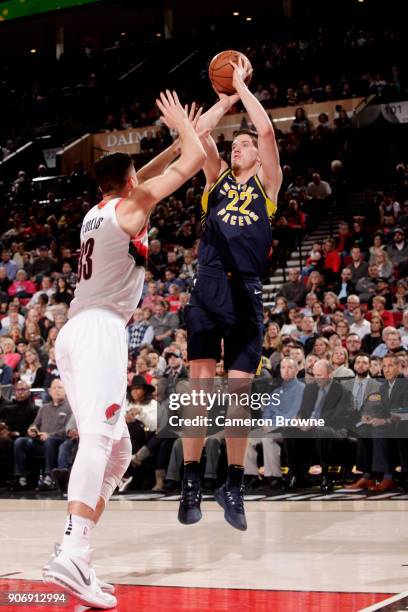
105, 586
76, 575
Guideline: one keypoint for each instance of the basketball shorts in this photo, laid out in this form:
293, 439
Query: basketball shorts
91, 354
228, 308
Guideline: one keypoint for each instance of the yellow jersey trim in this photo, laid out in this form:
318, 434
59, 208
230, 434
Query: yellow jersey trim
271, 207
206, 194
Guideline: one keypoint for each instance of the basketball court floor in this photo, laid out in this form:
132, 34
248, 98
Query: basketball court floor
309, 555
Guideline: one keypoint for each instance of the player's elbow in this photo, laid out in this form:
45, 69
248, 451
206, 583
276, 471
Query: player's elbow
266, 131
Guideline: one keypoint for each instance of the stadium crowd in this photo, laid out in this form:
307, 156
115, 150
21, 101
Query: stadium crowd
343, 317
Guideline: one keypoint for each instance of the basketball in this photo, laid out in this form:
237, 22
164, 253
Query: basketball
220, 71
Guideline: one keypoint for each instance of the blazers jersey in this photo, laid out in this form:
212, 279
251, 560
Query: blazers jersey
236, 218
111, 267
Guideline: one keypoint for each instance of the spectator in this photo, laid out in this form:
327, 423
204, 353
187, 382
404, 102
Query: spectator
374, 338
30, 370
327, 399
332, 259
43, 264
272, 340
366, 286
391, 342
361, 326
378, 303
344, 288
384, 265
358, 267
8, 264
294, 290
6, 373
353, 345
45, 436
353, 302
46, 287
398, 249
318, 189
10, 357
339, 361
63, 293
139, 332
164, 324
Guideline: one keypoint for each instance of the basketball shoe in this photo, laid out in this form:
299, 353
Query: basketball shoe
231, 499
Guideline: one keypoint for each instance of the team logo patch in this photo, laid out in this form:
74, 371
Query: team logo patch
374, 397
112, 414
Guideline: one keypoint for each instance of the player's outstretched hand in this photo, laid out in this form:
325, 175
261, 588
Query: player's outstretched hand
241, 70
172, 113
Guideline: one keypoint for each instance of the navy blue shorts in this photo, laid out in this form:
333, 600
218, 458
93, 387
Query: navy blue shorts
225, 307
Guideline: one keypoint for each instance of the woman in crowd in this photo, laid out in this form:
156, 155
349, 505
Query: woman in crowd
376, 248
339, 361
10, 355
321, 348
330, 302
374, 338
320, 319
64, 293
30, 370
279, 313
315, 284
343, 329
384, 265
272, 341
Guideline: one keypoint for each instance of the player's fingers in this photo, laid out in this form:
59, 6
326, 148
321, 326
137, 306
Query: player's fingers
192, 110
176, 98
169, 97
160, 106
198, 114
164, 100
234, 65
163, 120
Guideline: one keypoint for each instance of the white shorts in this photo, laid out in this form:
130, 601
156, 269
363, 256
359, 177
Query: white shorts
91, 354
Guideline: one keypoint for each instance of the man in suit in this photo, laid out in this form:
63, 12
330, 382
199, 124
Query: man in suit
326, 399
362, 385
377, 432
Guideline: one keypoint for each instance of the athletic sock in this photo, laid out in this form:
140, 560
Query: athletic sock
235, 475
191, 470
77, 533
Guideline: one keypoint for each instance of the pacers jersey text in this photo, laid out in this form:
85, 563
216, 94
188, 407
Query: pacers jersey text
111, 268
237, 226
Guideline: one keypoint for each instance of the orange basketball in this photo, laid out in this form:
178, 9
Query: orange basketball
220, 71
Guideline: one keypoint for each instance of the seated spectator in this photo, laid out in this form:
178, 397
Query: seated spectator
353, 346
10, 356
310, 299
344, 241
301, 123
51, 368
345, 287
378, 304
44, 437
374, 338
384, 265
294, 290
308, 335
315, 284
360, 326
353, 302
42, 264
398, 249
30, 370
358, 267
403, 330
8, 264
391, 342
163, 323
291, 394
400, 299
331, 302
63, 293
321, 348
21, 287
6, 373
139, 332
327, 399
366, 286
279, 313
272, 340
339, 361
173, 299
320, 319
152, 297
318, 189
293, 327
375, 444
376, 249
315, 259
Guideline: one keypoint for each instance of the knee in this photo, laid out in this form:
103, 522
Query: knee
21, 442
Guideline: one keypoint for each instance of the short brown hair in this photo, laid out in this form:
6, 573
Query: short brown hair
111, 171
251, 133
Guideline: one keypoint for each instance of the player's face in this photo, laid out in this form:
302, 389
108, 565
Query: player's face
244, 154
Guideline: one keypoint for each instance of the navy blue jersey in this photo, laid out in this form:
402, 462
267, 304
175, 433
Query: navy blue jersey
237, 226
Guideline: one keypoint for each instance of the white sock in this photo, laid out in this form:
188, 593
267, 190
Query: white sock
77, 533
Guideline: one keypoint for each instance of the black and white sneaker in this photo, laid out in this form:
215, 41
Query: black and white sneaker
190, 501
231, 498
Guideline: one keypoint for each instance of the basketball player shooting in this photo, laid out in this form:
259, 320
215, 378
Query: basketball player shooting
238, 204
91, 349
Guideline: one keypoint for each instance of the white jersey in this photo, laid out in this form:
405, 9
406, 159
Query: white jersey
111, 266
